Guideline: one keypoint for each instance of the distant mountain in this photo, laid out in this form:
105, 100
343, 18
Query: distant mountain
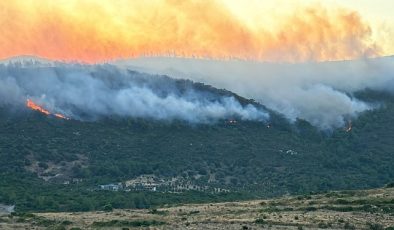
27, 60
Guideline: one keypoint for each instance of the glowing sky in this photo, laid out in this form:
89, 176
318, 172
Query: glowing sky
293, 30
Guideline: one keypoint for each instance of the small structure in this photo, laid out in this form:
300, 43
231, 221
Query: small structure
231, 121
291, 152
111, 187
6, 209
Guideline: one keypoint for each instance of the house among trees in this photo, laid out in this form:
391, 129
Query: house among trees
111, 187
6, 209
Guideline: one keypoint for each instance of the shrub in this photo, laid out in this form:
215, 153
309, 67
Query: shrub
194, 212
349, 226
157, 212
310, 209
122, 223
260, 221
43, 165
323, 225
66, 222
374, 226
390, 185
342, 201
108, 208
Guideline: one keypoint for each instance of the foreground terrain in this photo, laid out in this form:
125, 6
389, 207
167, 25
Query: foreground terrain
362, 209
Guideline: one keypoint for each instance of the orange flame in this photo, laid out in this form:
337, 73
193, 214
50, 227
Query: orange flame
36, 107
94, 31
30, 104
58, 115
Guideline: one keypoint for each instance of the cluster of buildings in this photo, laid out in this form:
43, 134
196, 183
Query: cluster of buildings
156, 184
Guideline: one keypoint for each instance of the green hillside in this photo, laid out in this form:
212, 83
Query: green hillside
58, 165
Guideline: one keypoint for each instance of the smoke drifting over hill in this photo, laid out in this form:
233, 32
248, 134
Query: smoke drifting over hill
90, 92
320, 93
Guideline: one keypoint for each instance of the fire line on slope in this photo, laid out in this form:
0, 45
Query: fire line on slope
33, 106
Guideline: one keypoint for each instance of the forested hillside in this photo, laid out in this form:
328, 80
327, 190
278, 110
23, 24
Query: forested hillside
55, 164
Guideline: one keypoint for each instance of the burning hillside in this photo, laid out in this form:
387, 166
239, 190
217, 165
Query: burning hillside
33, 106
30, 104
88, 92
323, 95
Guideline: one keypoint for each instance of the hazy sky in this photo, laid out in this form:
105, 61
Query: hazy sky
281, 30
372, 10
379, 10
376, 13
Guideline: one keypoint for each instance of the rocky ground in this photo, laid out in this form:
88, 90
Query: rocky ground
368, 209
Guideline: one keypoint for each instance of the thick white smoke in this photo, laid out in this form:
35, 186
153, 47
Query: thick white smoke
88, 92
320, 93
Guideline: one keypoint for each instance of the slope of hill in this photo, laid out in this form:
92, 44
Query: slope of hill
318, 92
224, 147
53, 164
362, 209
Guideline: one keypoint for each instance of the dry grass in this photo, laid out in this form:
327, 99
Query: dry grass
330, 211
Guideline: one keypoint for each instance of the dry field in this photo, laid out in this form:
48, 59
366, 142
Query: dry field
368, 209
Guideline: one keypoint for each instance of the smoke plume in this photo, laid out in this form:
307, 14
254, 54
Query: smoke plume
89, 92
320, 93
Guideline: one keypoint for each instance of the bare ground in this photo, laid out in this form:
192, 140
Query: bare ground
369, 209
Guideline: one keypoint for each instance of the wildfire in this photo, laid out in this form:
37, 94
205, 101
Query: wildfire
58, 115
30, 104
